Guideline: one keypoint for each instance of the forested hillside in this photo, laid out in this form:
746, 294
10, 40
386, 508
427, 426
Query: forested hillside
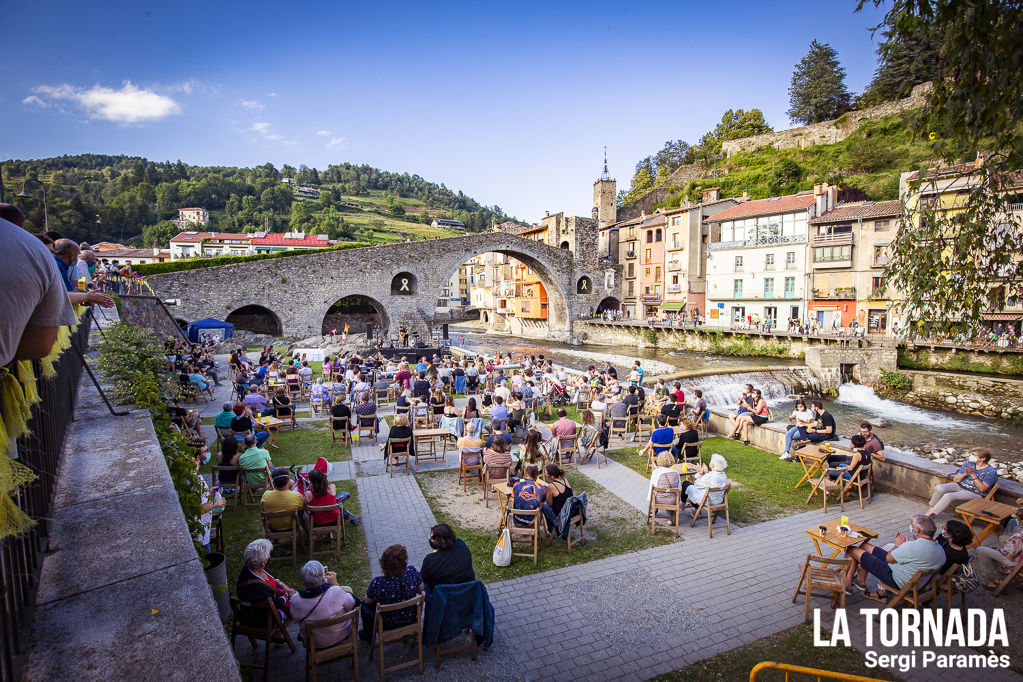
96, 197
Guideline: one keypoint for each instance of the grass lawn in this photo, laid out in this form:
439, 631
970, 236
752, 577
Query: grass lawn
762, 484
304, 445
245, 525
613, 527
793, 646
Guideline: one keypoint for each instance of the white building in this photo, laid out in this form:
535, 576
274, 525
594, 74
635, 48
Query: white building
757, 261
195, 216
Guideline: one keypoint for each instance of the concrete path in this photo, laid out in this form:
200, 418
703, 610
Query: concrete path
620, 480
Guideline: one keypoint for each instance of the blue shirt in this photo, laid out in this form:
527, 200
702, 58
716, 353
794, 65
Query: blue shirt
63, 268
662, 439
988, 475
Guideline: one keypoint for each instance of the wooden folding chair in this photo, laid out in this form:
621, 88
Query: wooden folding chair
274, 624
619, 425
576, 519
1013, 573
399, 458
823, 577
713, 510
381, 395
404, 409
367, 426
339, 430
234, 488
314, 656
382, 637
593, 450
675, 507
567, 449
336, 529
530, 533
465, 470
247, 489
490, 480
287, 413
916, 592
943, 585
825, 485
275, 536
317, 406
644, 427
692, 453
582, 399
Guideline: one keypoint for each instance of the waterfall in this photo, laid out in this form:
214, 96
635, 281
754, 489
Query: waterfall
723, 390
863, 398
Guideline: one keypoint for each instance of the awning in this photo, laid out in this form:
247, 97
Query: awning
673, 305
1002, 316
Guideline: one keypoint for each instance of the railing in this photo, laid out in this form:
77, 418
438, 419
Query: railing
21, 556
651, 297
760, 240
801, 670
1016, 206
842, 294
674, 265
834, 238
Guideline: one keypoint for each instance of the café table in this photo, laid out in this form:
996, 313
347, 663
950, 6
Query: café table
272, 425
829, 534
430, 437
814, 460
988, 512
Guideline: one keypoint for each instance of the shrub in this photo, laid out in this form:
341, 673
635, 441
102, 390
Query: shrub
197, 263
895, 380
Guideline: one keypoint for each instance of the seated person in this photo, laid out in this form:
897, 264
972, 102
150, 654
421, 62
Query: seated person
631, 400
498, 432
399, 431
469, 438
530, 453
758, 414
499, 412
319, 393
688, 436
715, 477
558, 492
954, 540
700, 411
437, 403
449, 408
324, 494
255, 585
305, 372
527, 494
598, 403
670, 409
366, 409
661, 438
992, 564
399, 582
198, 379
321, 599
589, 435
228, 458
497, 459
421, 387
973, 479
910, 553
517, 409
838, 462
450, 563
403, 399
823, 426
339, 410
255, 402
224, 417
617, 414
563, 426
282, 405
242, 425
183, 417
663, 476
803, 418
254, 460
282, 498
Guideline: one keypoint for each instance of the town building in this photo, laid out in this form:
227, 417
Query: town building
302, 192
448, 224
193, 244
650, 278
849, 250
455, 297
757, 258
263, 242
193, 216
628, 258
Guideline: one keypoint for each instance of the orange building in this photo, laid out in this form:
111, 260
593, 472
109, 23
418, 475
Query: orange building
530, 300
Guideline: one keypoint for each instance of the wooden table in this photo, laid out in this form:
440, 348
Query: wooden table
988, 512
814, 461
504, 495
430, 436
272, 425
832, 538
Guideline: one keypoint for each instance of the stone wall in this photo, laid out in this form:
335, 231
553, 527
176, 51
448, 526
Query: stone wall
1003, 361
865, 364
645, 203
827, 132
149, 313
992, 397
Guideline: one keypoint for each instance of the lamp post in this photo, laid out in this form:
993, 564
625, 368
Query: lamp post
25, 195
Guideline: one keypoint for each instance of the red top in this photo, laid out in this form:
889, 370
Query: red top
324, 518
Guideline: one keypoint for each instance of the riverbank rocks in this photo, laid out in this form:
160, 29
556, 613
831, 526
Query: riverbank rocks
879, 422
1001, 408
931, 451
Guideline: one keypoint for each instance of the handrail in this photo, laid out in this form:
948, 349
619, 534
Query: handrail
820, 674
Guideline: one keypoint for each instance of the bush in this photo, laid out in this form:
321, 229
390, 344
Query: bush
197, 263
895, 380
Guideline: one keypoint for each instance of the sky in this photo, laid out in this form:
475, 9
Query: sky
511, 103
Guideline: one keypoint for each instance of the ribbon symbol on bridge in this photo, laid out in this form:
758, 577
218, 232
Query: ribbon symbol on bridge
404, 285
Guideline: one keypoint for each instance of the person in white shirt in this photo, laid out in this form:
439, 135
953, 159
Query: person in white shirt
802, 416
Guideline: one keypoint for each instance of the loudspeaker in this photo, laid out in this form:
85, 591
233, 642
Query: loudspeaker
369, 331
444, 327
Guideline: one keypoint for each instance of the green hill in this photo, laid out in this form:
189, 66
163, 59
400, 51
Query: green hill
868, 161
95, 197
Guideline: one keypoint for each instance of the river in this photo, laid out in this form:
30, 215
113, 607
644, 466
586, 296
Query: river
911, 426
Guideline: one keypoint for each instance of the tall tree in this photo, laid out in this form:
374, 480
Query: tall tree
953, 269
818, 91
904, 61
673, 154
732, 126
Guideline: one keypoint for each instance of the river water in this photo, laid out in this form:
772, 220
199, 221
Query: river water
910, 425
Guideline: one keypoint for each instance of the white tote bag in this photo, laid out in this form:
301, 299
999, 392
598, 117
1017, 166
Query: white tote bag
503, 549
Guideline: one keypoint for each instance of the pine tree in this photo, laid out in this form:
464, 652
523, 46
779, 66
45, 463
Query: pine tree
904, 61
818, 91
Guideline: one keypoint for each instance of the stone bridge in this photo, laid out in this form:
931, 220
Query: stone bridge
394, 285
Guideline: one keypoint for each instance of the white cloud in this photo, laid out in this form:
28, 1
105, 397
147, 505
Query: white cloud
32, 99
323, 133
251, 104
129, 104
271, 94
341, 142
263, 128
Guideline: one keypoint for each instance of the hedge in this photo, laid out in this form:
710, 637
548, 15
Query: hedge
196, 263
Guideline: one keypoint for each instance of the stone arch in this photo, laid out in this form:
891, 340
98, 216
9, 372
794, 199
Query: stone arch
608, 303
584, 285
357, 310
404, 284
565, 245
257, 319
485, 316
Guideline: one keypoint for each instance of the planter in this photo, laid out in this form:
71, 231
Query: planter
216, 576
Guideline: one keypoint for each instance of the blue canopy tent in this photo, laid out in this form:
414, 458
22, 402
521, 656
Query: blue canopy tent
214, 330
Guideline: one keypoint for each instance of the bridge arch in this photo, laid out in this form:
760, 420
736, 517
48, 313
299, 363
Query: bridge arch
608, 303
357, 311
257, 319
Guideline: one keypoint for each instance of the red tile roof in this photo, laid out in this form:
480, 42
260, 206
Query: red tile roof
278, 239
859, 211
196, 237
791, 202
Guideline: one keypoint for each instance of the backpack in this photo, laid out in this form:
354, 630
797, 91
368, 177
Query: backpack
965, 579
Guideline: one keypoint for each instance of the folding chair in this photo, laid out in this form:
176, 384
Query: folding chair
247, 489
644, 427
489, 480
619, 425
399, 458
336, 529
567, 447
822, 577
381, 395
465, 469
287, 413
713, 510
339, 430
367, 425
530, 532
274, 624
382, 637
229, 490
349, 646
691, 453
915, 592
276, 535
943, 585
675, 507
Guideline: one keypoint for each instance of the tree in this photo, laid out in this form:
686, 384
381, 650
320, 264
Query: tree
301, 215
903, 62
733, 126
642, 181
818, 92
954, 268
673, 154
397, 209
159, 234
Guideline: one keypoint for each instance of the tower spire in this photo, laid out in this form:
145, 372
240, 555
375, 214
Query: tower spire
606, 175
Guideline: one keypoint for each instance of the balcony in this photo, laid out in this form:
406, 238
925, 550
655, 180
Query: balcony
881, 261
839, 294
674, 289
651, 298
834, 238
760, 240
1016, 206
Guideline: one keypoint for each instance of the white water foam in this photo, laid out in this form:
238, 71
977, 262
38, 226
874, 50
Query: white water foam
650, 367
864, 398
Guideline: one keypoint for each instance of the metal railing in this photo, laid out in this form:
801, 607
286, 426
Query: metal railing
802, 670
834, 238
21, 556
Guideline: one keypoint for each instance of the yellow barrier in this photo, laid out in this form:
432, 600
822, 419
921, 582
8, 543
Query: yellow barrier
816, 672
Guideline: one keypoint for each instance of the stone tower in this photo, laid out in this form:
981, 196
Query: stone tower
605, 191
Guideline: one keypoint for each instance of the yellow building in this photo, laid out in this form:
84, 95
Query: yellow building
530, 299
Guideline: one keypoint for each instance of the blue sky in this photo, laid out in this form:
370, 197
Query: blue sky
511, 103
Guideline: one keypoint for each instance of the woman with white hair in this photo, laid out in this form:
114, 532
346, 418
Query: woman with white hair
707, 478
319, 393
321, 598
255, 586
664, 477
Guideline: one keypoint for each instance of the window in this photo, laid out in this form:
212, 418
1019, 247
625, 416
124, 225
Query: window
632, 231
674, 241
674, 279
525, 306
790, 287
882, 225
632, 288
880, 255
632, 270
649, 236
648, 257
769, 287
657, 274
736, 288
658, 235
831, 254
876, 290
790, 260
738, 263
646, 290
769, 262
646, 272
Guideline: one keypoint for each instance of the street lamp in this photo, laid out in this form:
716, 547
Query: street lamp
25, 195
